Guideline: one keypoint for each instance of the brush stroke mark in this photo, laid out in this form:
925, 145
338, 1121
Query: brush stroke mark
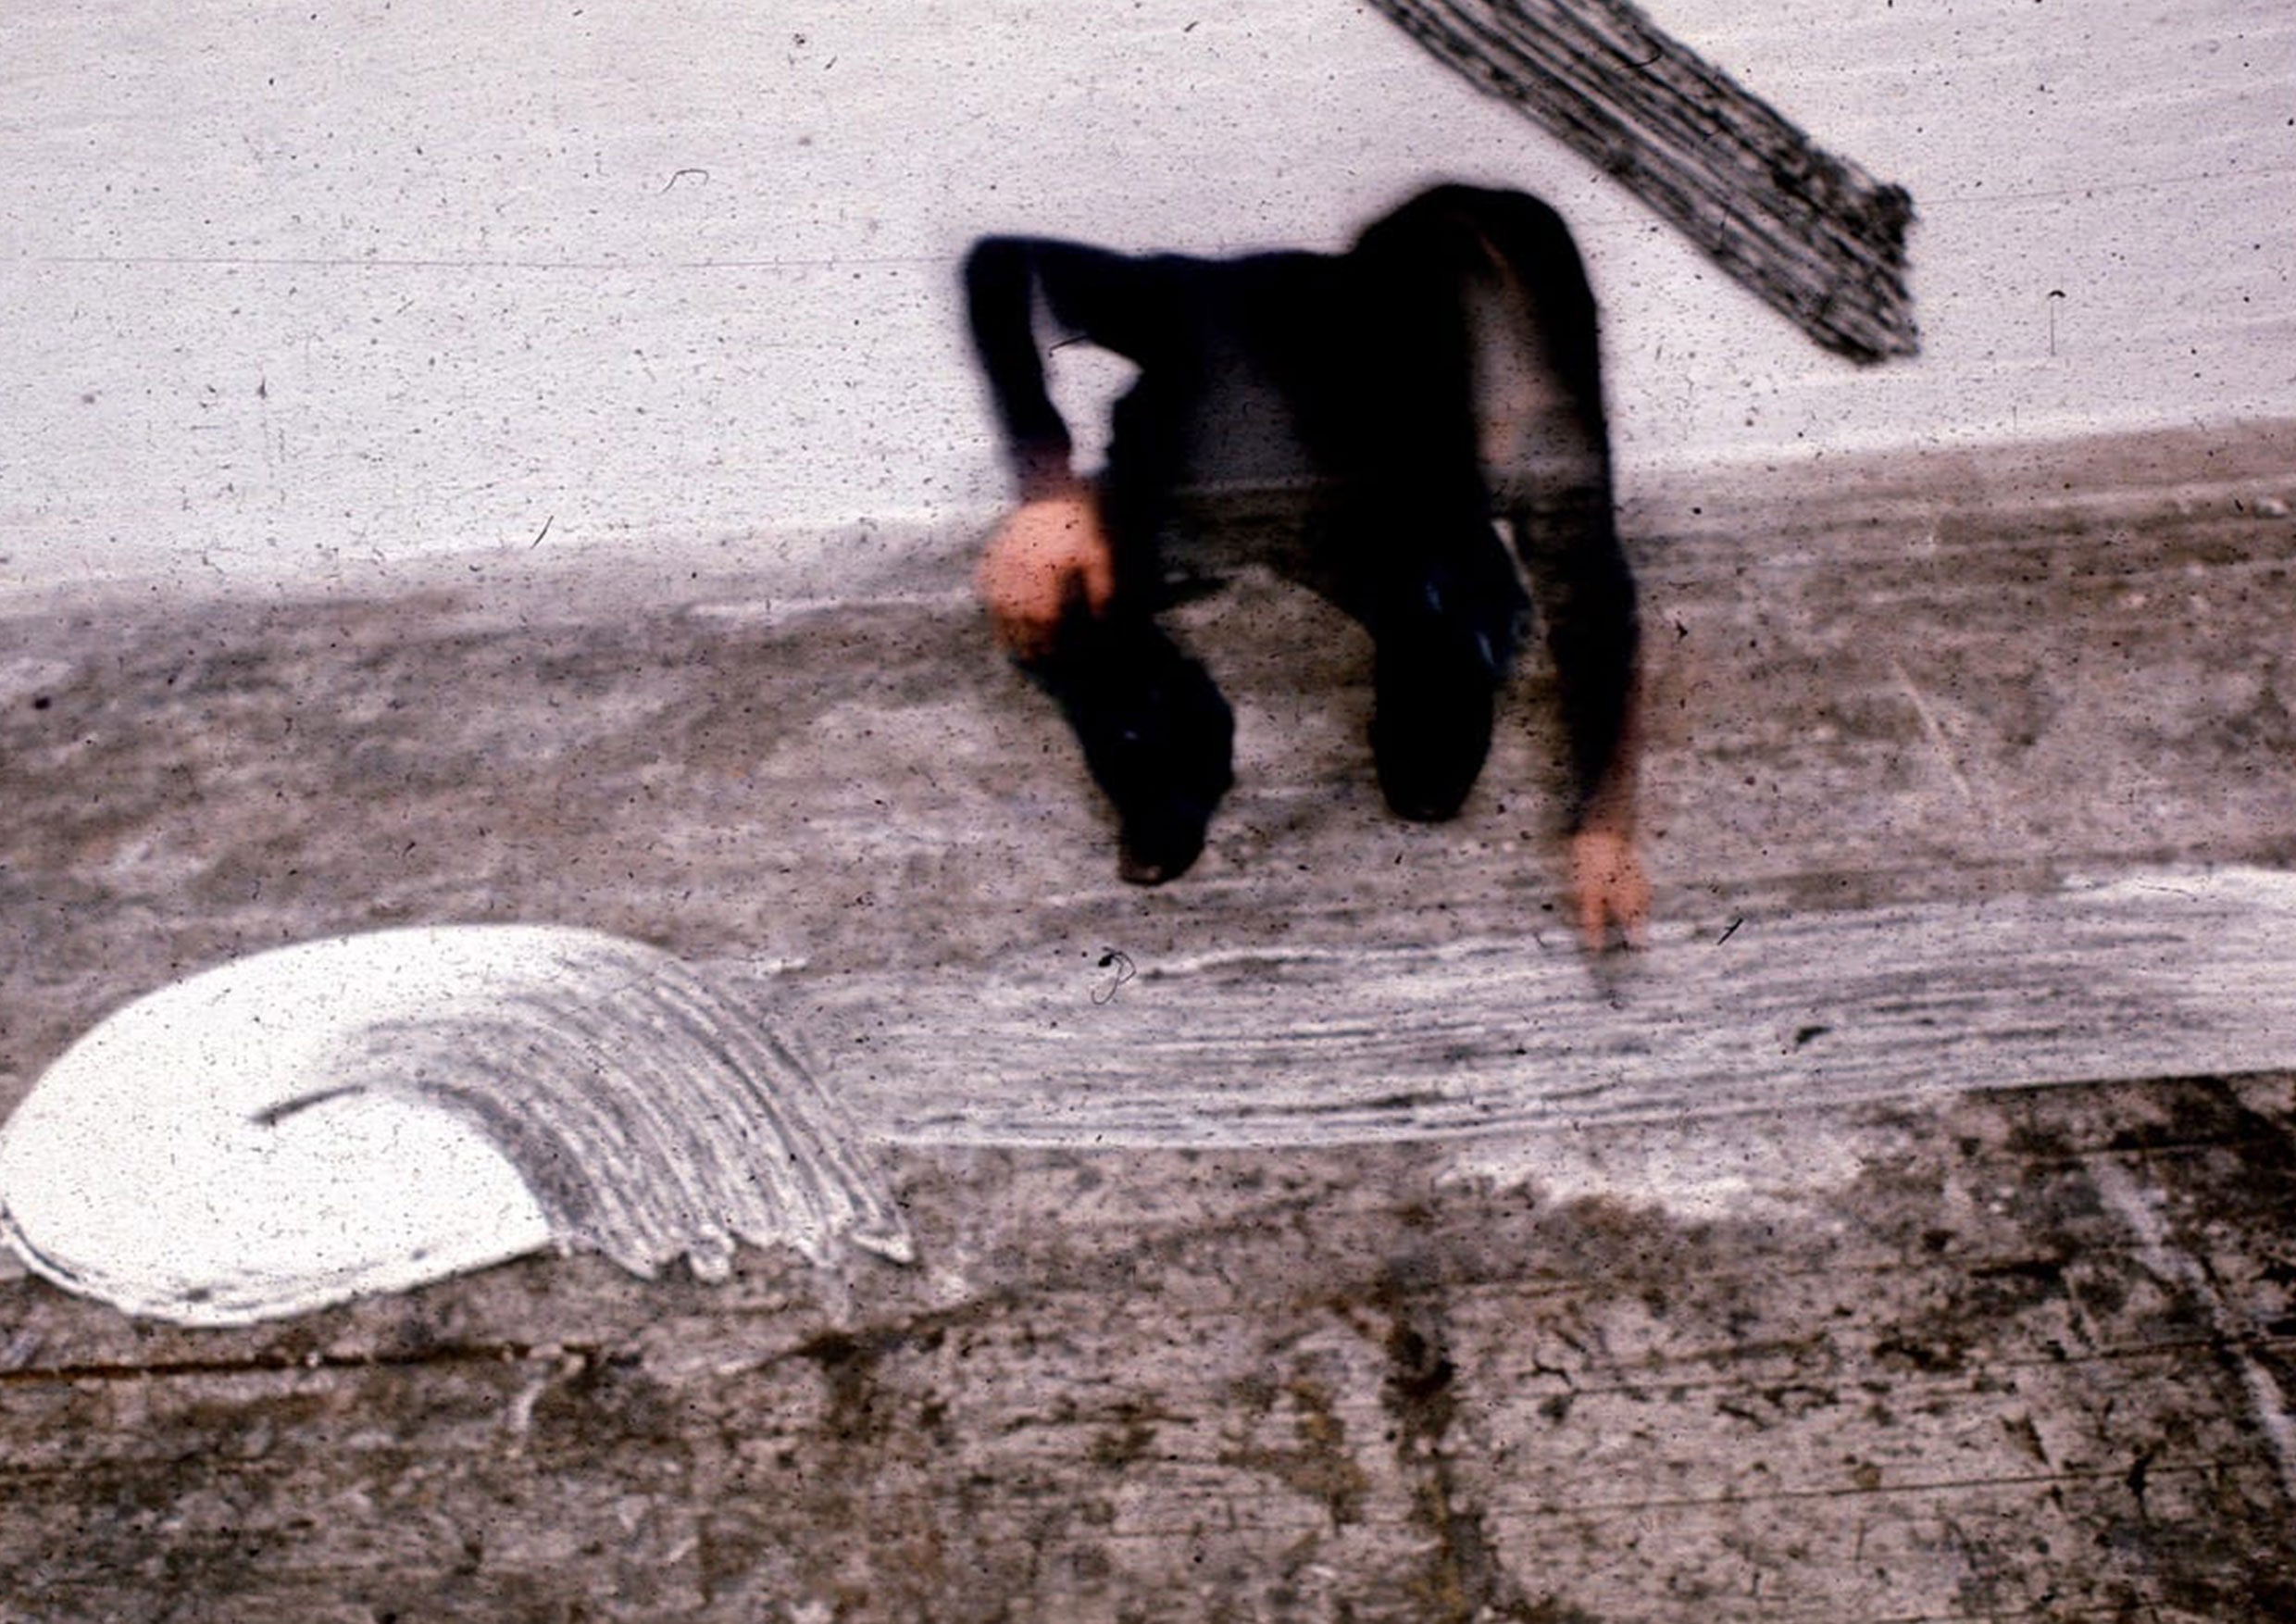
373, 1112
1812, 234
2147, 974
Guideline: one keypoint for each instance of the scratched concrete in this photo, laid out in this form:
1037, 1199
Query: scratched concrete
2002, 1353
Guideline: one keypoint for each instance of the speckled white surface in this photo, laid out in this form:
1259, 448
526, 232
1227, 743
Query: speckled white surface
287, 289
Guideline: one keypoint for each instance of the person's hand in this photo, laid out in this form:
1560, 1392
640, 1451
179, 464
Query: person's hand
1608, 887
1050, 553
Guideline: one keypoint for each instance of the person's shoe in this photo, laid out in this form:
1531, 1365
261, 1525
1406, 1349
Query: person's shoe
1137, 867
1431, 728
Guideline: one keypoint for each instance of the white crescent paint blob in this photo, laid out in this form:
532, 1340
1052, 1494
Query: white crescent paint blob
374, 1111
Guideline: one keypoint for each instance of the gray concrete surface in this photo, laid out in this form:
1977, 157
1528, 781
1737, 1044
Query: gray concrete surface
1993, 1352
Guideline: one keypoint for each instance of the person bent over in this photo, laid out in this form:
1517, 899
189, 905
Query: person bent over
1432, 400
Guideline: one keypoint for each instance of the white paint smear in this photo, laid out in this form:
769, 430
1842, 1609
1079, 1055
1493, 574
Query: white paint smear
2153, 974
372, 1112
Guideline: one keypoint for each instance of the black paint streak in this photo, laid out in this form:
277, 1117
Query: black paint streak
273, 1116
1812, 234
1465, 1576
1123, 966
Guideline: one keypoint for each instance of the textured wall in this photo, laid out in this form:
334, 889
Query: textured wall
286, 287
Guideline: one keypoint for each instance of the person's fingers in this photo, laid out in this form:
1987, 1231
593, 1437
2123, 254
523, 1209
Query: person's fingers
1100, 573
1594, 931
989, 577
1022, 638
1004, 592
1601, 907
1610, 889
1630, 907
1007, 585
1048, 555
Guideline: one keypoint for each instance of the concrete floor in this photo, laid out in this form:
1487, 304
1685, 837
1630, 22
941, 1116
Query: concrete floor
2004, 1352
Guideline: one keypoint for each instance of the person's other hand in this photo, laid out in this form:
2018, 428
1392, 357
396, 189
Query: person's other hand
1608, 888
1050, 553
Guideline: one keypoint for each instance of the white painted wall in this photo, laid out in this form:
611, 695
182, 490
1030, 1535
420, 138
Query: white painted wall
283, 286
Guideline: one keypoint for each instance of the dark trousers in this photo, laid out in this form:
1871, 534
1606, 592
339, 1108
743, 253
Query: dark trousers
1437, 591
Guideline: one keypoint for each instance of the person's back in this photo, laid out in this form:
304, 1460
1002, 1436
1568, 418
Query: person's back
1400, 397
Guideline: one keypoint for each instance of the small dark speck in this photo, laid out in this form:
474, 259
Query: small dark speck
1125, 970
1731, 932
41, 702
1805, 1033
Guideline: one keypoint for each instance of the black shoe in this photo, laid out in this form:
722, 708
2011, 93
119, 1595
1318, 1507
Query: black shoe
1146, 862
1168, 786
1431, 724
1158, 738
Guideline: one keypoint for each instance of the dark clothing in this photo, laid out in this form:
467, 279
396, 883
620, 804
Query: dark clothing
1442, 374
